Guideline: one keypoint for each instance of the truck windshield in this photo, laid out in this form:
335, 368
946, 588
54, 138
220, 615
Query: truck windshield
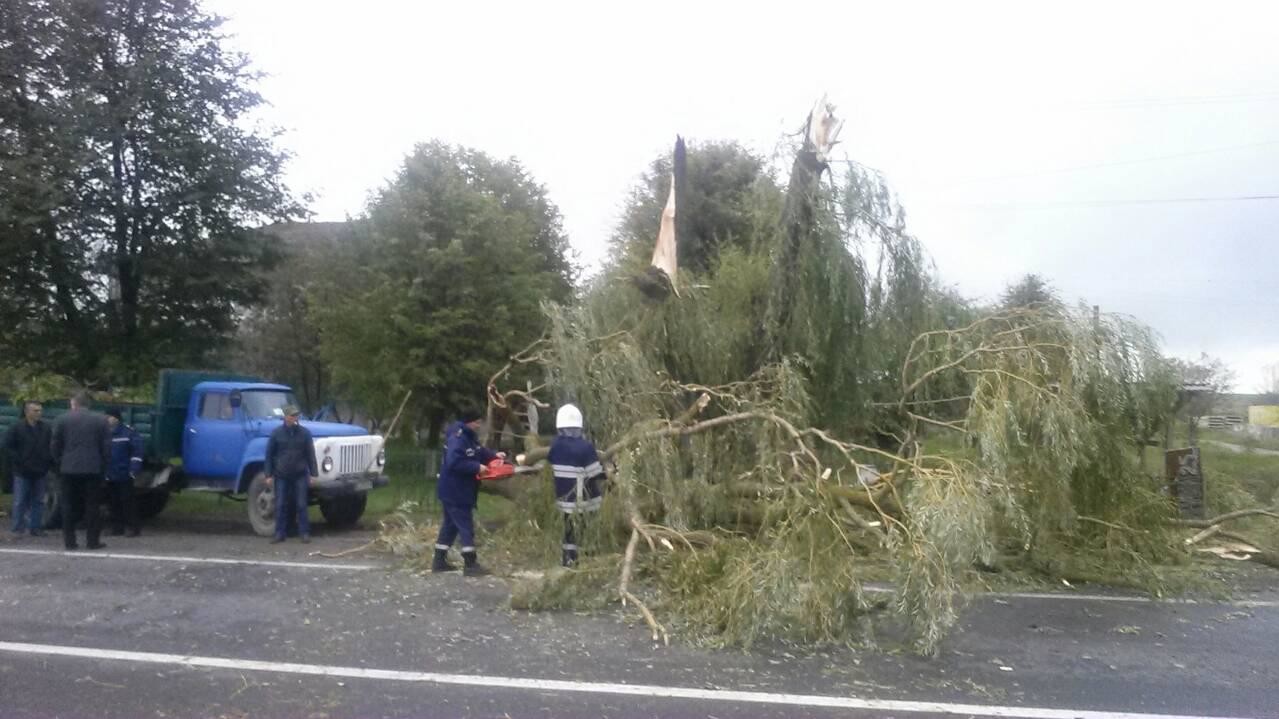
266, 403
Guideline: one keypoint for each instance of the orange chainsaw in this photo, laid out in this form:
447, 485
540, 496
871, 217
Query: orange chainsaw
497, 469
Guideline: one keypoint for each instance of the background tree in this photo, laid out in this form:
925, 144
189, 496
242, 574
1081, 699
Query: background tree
729, 192
1030, 292
1203, 380
448, 281
280, 339
132, 183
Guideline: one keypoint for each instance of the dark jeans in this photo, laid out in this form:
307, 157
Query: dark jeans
81, 497
124, 509
28, 500
290, 497
457, 520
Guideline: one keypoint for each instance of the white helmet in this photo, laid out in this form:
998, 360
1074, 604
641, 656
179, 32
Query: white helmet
568, 417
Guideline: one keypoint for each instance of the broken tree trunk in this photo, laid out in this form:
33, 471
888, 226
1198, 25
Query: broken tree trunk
799, 219
658, 281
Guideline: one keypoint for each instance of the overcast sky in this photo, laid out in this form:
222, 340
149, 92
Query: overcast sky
1065, 141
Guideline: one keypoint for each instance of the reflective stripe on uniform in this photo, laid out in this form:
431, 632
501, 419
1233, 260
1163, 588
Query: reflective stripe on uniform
568, 471
590, 505
442, 547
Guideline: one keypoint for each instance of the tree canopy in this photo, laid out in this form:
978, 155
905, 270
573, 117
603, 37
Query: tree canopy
445, 282
729, 193
130, 179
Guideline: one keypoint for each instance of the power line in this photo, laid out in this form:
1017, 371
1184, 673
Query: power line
1109, 203
1136, 102
1116, 163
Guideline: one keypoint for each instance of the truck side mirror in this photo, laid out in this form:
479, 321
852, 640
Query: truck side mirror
235, 398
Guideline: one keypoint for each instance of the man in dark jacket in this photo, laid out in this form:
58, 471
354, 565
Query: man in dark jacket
81, 451
27, 445
459, 491
578, 477
126, 462
290, 467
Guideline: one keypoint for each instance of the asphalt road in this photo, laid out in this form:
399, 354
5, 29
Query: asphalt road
201, 619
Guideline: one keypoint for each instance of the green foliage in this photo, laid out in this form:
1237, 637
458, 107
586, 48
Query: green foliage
444, 283
279, 339
24, 382
1030, 292
129, 179
1061, 404
729, 194
1049, 407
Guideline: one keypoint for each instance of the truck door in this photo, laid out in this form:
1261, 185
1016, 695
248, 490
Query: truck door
214, 438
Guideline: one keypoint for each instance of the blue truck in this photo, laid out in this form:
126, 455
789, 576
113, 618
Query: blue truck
207, 432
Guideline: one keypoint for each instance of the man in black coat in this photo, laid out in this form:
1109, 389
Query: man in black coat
290, 467
81, 452
27, 444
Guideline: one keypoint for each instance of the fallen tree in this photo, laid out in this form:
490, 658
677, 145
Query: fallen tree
794, 422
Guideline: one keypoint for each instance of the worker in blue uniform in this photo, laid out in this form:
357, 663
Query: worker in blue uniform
579, 478
458, 489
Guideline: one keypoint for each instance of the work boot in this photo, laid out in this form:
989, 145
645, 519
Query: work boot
569, 558
441, 562
472, 567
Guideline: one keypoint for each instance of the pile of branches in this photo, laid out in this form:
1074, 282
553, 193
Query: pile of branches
815, 411
742, 521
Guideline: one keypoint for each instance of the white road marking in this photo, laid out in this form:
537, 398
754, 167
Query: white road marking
1130, 599
195, 560
555, 685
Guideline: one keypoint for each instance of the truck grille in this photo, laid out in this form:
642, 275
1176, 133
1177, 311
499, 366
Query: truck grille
353, 458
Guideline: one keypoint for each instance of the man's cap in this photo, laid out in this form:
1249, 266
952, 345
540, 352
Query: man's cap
115, 412
470, 414
291, 410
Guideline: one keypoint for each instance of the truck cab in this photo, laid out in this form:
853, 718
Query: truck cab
224, 441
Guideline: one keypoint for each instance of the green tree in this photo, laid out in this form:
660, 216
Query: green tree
130, 184
448, 281
729, 194
1030, 292
279, 339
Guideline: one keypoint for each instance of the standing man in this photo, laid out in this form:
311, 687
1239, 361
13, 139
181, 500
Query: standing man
126, 462
290, 467
81, 451
27, 444
459, 491
578, 477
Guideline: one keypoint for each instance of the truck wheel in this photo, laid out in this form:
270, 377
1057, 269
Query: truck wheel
151, 503
344, 512
261, 506
52, 507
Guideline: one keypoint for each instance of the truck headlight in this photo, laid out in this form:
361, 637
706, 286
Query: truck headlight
327, 465
381, 458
